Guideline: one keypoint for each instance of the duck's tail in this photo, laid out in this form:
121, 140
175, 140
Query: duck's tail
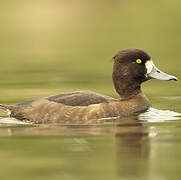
5, 108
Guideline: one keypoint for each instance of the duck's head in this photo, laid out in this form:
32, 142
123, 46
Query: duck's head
131, 68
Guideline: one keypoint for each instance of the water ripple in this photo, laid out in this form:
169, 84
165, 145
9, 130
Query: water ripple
155, 115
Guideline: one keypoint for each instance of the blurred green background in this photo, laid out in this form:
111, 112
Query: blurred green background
52, 46
49, 47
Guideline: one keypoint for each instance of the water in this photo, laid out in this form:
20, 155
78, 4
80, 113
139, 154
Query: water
49, 47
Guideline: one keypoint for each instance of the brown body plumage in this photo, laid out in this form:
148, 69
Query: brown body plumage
47, 111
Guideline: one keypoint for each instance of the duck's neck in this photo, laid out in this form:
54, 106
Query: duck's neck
126, 89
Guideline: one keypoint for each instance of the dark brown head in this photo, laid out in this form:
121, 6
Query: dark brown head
131, 68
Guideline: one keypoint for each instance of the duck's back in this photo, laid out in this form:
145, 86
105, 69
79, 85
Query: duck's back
74, 98
60, 108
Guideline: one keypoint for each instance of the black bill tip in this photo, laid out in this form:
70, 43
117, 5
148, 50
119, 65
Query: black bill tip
173, 79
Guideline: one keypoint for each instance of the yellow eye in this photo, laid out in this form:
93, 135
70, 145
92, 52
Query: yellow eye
139, 61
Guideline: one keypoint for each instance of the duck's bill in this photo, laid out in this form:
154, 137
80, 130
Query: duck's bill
155, 73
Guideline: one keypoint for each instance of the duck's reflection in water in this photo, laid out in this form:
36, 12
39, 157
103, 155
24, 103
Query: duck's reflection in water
133, 150
129, 141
